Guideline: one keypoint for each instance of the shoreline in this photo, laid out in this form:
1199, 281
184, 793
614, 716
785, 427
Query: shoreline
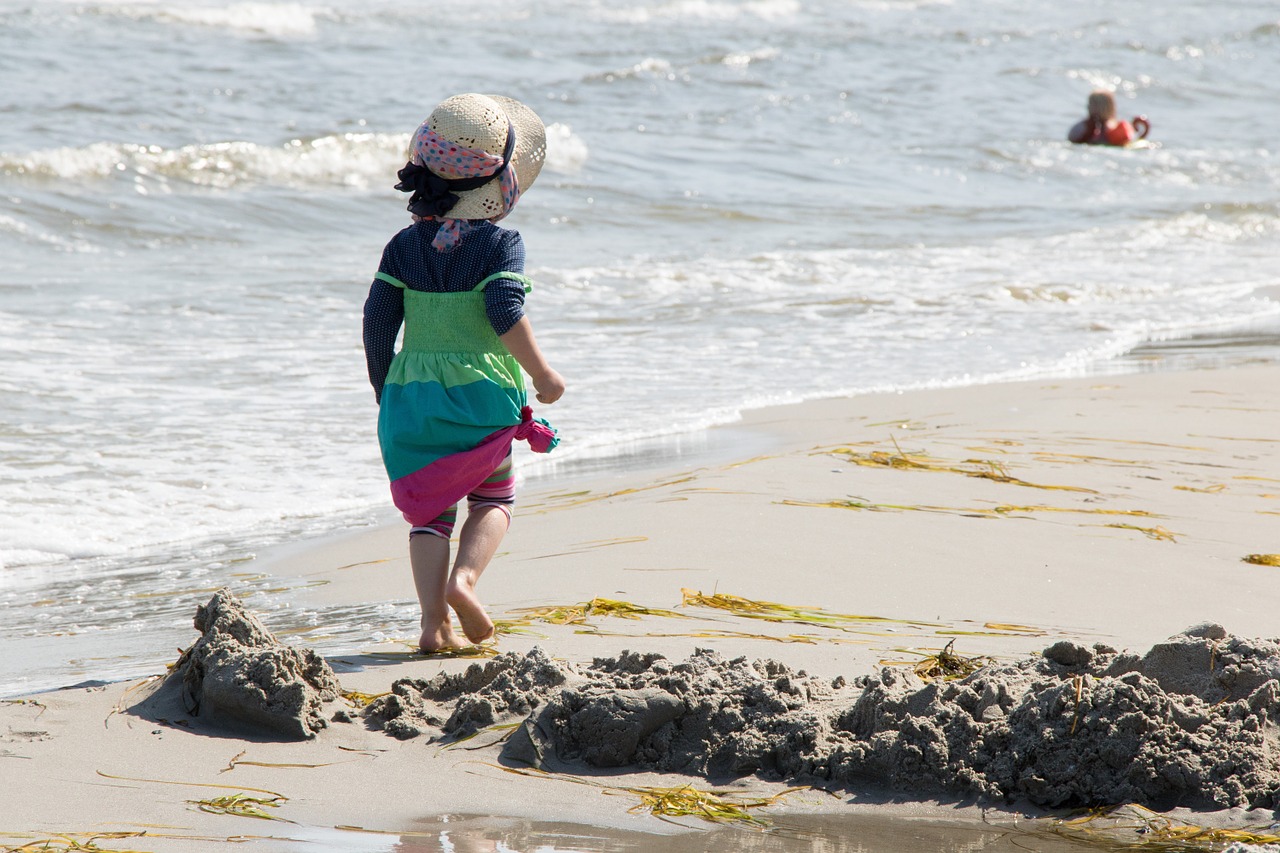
1112, 510
1240, 345
1256, 344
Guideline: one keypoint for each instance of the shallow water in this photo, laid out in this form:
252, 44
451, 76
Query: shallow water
744, 204
792, 833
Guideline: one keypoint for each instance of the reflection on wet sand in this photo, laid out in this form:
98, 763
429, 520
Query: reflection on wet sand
818, 833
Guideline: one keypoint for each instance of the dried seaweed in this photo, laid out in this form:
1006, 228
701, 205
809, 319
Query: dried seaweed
515, 627
72, 844
997, 629
577, 614
1079, 458
240, 788
584, 547
1005, 509
242, 805
462, 652
361, 700
982, 468
711, 806
714, 806
806, 639
239, 760
854, 503
1132, 826
1157, 532
503, 730
773, 612
1001, 510
567, 500
1262, 559
943, 664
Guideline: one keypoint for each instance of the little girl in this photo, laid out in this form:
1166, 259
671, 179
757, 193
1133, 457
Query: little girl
453, 399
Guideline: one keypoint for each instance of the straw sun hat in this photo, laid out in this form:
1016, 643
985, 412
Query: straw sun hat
483, 122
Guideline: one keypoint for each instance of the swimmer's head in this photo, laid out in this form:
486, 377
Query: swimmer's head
1102, 105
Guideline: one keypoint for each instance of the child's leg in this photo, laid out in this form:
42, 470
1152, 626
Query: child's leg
429, 557
488, 516
481, 535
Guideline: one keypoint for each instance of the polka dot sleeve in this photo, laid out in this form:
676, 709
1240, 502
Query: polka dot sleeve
383, 314
504, 298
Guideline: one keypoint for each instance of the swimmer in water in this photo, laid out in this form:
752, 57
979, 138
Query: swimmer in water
1101, 127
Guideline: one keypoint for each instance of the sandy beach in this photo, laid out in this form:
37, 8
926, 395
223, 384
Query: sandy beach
1107, 512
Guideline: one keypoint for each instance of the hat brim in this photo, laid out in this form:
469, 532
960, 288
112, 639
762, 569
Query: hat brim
527, 159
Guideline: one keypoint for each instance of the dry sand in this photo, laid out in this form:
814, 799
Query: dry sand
1097, 517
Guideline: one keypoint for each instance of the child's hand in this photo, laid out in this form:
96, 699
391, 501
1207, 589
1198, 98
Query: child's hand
549, 387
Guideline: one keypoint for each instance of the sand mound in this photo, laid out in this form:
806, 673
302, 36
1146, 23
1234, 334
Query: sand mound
1192, 722
508, 687
238, 675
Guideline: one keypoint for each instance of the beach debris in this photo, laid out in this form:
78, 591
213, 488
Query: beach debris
942, 664
858, 504
497, 734
238, 674
1263, 559
985, 469
591, 545
999, 629
360, 700
770, 611
577, 614
1158, 533
1134, 826
715, 634
515, 627
79, 843
242, 805
1207, 490
566, 500
412, 651
713, 806
1084, 458
481, 651
1003, 510
239, 760
1006, 509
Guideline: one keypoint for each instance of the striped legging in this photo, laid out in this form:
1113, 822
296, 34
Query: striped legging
499, 490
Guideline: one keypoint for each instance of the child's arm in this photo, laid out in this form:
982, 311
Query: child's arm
383, 314
520, 342
1082, 131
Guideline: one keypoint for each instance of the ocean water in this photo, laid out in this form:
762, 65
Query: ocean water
746, 202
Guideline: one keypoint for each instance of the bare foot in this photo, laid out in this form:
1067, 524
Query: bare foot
439, 638
461, 595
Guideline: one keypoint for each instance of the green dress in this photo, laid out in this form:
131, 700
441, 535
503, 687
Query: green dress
453, 401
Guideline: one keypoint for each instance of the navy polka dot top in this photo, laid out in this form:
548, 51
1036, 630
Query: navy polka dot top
485, 249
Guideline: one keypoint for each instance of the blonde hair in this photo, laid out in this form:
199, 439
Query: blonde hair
1102, 105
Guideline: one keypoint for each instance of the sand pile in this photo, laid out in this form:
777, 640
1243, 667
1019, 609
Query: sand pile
507, 688
1193, 722
237, 674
